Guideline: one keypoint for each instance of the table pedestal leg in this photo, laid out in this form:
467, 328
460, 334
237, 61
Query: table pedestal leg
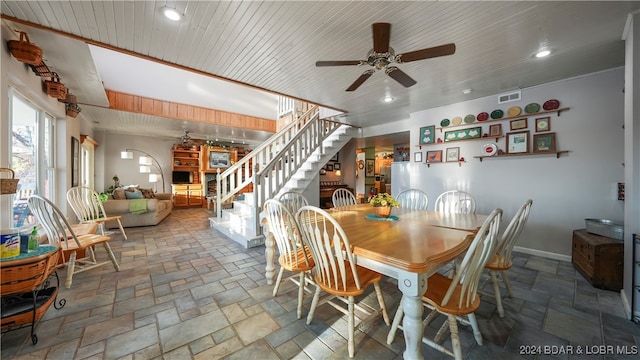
269, 254
412, 327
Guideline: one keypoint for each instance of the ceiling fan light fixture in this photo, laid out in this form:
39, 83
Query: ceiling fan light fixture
543, 53
171, 14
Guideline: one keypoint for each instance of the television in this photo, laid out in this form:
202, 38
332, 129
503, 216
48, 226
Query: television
181, 177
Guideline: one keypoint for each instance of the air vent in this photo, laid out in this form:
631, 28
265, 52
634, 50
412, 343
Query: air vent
508, 97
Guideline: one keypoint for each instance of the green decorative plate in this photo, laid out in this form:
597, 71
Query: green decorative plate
445, 122
497, 114
532, 108
469, 119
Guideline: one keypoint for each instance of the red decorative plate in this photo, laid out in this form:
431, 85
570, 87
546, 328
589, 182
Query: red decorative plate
482, 116
551, 104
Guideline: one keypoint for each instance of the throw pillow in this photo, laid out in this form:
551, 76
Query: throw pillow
133, 194
147, 193
118, 194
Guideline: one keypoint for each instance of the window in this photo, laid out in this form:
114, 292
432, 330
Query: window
31, 154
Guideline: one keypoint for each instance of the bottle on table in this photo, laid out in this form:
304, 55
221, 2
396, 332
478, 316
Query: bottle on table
33, 240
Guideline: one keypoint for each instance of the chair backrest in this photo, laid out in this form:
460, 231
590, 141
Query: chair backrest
455, 202
282, 224
413, 199
343, 197
53, 222
513, 230
293, 201
329, 246
480, 252
85, 203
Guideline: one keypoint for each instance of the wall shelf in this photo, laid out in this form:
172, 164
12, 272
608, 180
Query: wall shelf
476, 123
453, 141
446, 162
556, 153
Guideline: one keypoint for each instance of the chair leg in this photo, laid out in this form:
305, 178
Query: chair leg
476, 330
442, 331
111, 256
455, 338
383, 307
301, 294
351, 322
278, 279
505, 280
496, 291
71, 267
314, 303
122, 229
397, 318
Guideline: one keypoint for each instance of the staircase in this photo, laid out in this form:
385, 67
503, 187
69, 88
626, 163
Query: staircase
287, 161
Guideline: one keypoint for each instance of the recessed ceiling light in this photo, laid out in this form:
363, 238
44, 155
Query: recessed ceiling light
467, 91
543, 53
171, 14
388, 99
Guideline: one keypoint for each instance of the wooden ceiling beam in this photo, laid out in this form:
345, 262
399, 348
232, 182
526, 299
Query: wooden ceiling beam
172, 110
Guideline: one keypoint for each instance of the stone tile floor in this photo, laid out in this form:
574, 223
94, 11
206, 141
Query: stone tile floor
186, 292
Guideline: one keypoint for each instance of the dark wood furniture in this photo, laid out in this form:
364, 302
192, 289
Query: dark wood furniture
326, 191
599, 259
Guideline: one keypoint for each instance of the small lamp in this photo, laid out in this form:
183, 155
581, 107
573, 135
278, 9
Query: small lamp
127, 155
153, 179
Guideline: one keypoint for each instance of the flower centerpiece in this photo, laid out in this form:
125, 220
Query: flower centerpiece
383, 202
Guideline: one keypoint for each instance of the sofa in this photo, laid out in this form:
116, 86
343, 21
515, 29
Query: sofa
158, 208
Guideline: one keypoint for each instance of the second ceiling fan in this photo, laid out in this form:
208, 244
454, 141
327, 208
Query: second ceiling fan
382, 56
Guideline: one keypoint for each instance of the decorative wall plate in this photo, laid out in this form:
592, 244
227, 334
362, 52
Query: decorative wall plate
489, 150
456, 120
532, 108
551, 104
497, 114
482, 116
469, 119
514, 111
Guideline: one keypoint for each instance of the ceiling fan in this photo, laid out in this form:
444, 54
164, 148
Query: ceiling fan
382, 56
185, 138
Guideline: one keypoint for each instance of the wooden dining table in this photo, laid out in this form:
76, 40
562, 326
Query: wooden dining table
409, 247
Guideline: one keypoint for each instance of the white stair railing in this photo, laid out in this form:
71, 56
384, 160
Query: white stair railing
240, 174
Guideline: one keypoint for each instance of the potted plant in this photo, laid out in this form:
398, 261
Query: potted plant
383, 202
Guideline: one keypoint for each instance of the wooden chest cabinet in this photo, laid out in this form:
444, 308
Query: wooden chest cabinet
599, 259
187, 195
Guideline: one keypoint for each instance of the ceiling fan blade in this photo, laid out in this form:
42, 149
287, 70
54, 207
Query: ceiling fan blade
356, 84
400, 76
436, 51
339, 62
381, 36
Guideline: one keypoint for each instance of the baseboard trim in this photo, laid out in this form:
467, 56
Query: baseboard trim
544, 254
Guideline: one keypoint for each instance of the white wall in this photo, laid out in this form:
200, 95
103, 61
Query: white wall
581, 184
632, 159
111, 144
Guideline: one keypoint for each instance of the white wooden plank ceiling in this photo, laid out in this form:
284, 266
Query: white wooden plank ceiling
273, 45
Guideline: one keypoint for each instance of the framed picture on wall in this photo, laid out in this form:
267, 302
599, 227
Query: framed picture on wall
518, 142
495, 130
75, 161
453, 154
417, 156
434, 156
518, 124
336, 166
335, 157
544, 143
543, 124
329, 167
370, 168
427, 134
